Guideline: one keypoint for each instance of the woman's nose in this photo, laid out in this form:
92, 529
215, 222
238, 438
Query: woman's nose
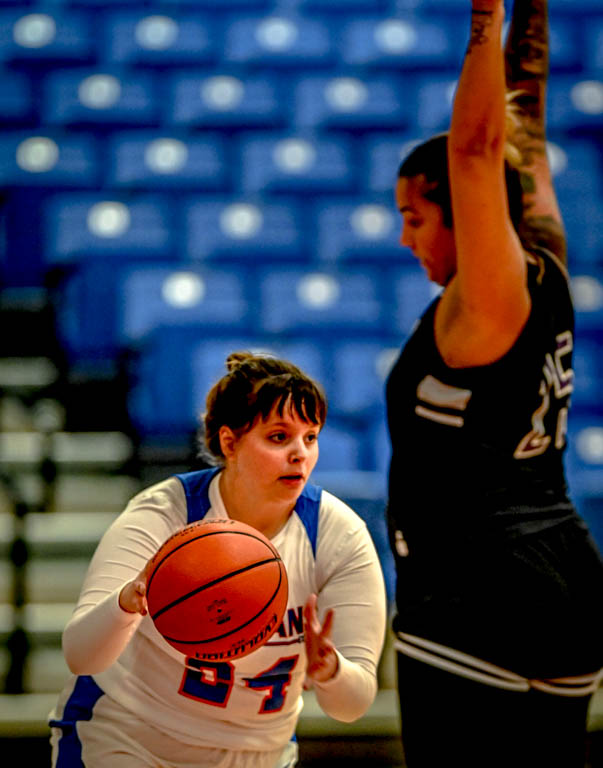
405, 239
298, 451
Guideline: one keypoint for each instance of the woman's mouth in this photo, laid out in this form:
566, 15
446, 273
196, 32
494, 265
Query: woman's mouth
293, 479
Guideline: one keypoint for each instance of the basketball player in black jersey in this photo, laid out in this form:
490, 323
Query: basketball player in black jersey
500, 585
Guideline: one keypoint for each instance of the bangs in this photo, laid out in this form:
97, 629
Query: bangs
301, 397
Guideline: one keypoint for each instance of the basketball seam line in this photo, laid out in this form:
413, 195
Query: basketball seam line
203, 535
211, 584
246, 623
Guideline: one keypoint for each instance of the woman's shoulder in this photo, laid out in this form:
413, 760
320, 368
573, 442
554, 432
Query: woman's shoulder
337, 517
166, 497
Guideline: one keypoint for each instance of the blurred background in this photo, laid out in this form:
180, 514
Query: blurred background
183, 178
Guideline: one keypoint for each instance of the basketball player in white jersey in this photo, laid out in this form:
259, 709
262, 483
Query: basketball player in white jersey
133, 701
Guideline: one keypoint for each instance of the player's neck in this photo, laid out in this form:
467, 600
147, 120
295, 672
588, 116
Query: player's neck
267, 516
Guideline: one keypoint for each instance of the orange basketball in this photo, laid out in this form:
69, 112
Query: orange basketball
217, 590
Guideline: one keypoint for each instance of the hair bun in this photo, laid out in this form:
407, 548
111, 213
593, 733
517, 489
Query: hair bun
236, 359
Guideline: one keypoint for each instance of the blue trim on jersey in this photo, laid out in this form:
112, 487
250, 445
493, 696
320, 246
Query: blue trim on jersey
79, 706
307, 508
196, 489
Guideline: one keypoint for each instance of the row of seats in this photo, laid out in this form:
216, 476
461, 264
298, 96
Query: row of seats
575, 7
87, 228
219, 97
177, 366
253, 161
103, 310
276, 37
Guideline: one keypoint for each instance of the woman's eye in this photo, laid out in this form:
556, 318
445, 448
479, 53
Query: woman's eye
277, 437
312, 437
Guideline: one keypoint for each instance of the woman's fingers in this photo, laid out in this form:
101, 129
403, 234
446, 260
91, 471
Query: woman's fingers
320, 651
133, 596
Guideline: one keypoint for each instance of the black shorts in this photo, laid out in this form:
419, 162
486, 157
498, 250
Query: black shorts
531, 604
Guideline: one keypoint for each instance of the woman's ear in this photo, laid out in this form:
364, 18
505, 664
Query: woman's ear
228, 441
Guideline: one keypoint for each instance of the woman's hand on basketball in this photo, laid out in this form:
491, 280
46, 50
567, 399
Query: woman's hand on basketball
320, 650
133, 596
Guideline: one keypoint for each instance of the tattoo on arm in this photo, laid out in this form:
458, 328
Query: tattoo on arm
527, 55
480, 21
526, 69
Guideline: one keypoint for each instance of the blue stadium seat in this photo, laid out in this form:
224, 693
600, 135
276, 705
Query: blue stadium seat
291, 163
564, 43
278, 40
435, 96
45, 34
584, 468
593, 55
576, 102
223, 100
576, 7
340, 449
32, 160
358, 230
94, 226
447, 6
587, 292
99, 97
345, 6
588, 379
228, 8
359, 372
154, 160
91, 5
86, 316
297, 300
403, 42
153, 37
155, 295
219, 228
161, 402
352, 103
413, 293
577, 166
16, 97
384, 155
103, 308
583, 218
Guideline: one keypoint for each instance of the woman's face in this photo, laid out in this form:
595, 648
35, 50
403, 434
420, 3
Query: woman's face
273, 460
424, 231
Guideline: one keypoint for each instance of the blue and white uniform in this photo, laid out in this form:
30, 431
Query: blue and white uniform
249, 706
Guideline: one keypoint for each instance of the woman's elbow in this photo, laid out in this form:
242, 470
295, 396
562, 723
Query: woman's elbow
78, 662
481, 145
360, 710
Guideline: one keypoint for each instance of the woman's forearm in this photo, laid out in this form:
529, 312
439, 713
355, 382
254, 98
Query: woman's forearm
478, 118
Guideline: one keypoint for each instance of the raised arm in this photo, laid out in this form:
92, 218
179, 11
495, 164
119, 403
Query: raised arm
527, 67
491, 301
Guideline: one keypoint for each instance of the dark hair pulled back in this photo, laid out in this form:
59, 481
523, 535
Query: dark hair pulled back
253, 385
430, 159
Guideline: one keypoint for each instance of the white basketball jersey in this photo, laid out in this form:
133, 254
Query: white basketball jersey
253, 702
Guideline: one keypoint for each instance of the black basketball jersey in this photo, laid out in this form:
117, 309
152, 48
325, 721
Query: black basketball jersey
480, 448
